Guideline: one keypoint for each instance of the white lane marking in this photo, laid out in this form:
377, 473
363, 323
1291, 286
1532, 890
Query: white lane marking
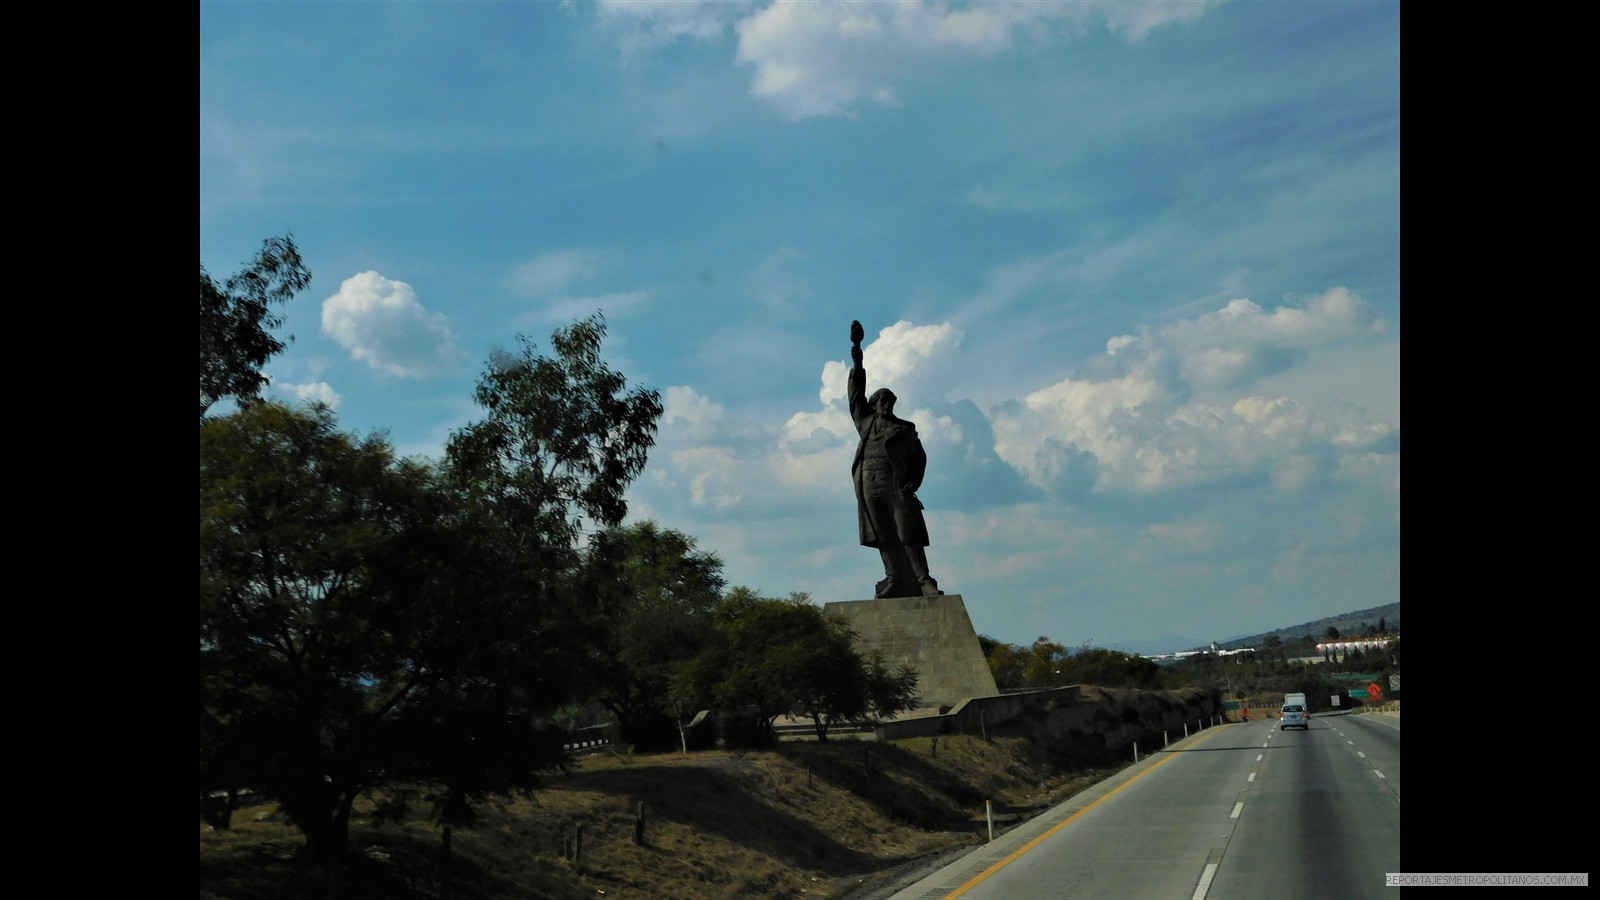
1252, 776
1236, 809
1360, 754
1259, 756
1378, 773
1205, 882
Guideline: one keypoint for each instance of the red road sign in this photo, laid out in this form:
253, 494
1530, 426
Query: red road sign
1374, 691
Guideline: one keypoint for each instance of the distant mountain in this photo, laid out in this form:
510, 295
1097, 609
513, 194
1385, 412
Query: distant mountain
1353, 624
1167, 643
1350, 624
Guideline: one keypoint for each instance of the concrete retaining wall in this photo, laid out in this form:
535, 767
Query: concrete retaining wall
1081, 720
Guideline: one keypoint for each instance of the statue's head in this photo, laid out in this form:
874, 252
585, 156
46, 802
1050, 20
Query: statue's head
882, 401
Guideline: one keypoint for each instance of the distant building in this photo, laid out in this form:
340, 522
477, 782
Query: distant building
1339, 648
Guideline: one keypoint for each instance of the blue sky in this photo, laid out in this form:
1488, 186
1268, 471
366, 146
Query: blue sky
1132, 268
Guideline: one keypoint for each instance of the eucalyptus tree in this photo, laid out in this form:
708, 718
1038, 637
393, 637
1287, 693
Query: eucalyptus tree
235, 318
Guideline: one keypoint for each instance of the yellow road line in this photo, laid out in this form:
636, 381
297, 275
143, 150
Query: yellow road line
1057, 827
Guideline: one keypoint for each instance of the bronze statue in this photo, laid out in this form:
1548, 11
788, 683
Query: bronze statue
887, 471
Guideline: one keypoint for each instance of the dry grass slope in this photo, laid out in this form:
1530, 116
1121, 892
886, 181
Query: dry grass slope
800, 820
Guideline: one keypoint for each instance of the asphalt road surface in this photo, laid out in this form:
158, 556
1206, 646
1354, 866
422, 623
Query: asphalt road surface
1241, 811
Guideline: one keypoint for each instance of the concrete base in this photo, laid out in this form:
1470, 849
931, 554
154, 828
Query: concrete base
930, 634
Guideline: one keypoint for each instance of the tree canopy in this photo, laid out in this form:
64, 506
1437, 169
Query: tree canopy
331, 642
235, 317
1048, 663
562, 439
656, 592
1007, 662
789, 657
367, 621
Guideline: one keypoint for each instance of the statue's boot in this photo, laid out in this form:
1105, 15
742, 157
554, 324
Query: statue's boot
900, 579
918, 557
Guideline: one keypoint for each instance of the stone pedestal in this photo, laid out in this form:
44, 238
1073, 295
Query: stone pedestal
932, 635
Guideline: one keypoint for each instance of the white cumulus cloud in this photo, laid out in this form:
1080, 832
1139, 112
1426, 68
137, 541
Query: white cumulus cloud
699, 415
828, 58
1242, 341
818, 59
912, 360
381, 322
313, 392
1133, 418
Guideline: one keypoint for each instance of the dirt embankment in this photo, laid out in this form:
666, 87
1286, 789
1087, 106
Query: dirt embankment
837, 819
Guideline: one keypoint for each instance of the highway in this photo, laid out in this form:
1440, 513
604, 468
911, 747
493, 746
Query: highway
1238, 811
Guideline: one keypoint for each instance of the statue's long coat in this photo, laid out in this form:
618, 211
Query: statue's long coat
906, 457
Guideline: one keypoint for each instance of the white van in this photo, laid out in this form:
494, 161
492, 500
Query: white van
1294, 715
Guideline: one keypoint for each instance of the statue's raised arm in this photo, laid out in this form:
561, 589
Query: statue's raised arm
888, 469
